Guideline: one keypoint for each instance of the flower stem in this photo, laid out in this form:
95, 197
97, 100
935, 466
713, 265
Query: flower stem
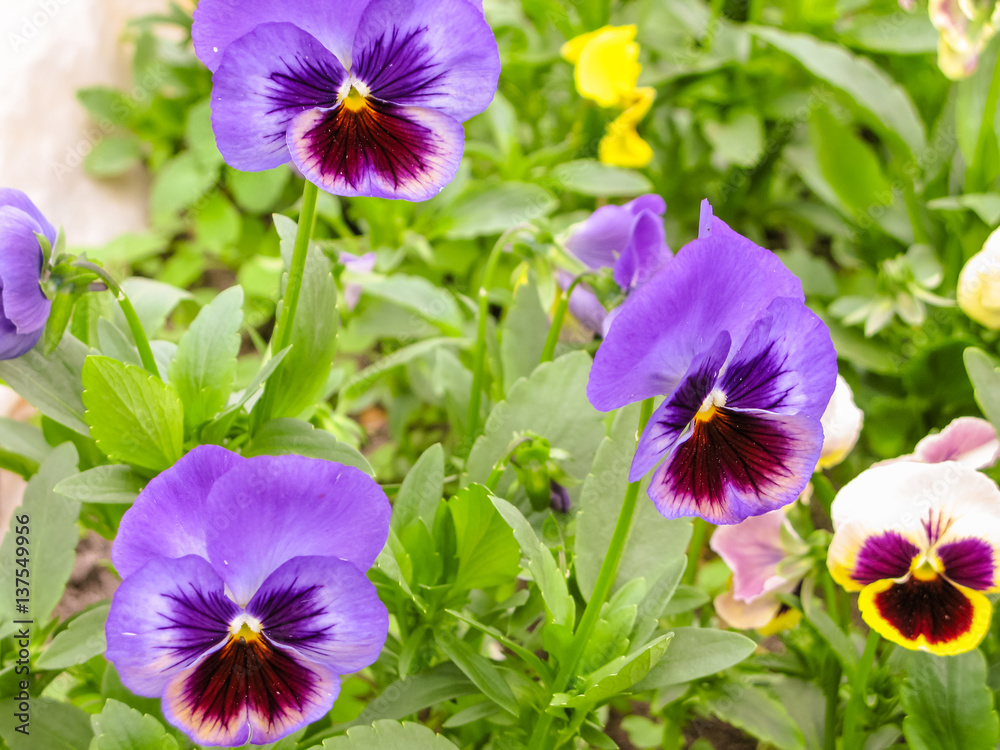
978, 180
832, 689
134, 324
307, 223
479, 356
557, 321
698, 537
605, 580
855, 706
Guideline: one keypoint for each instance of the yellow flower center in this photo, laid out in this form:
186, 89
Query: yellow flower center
245, 627
355, 101
926, 567
712, 403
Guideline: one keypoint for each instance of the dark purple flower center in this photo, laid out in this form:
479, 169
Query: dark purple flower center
934, 609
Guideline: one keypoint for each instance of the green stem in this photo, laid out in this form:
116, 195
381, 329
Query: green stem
978, 181
557, 321
830, 595
605, 580
832, 688
307, 223
698, 538
134, 324
859, 689
479, 356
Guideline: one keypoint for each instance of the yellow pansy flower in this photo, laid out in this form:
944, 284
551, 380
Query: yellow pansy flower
607, 64
622, 145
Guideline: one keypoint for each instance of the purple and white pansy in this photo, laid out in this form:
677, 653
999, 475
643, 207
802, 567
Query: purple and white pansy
747, 371
244, 596
366, 97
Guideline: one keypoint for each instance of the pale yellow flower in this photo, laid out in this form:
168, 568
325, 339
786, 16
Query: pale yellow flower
842, 423
979, 284
622, 145
966, 27
607, 64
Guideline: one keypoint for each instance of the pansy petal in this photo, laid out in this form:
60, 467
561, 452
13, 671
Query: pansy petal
439, 54
324, 609
219, 23
969, 440
163, 619
20, 201
382, 150
168, 519
249, 690
842, 422
24, 303
257, 92
737, 464
691, 301
270, 509
746, 615
598, 240
583, 304
12, 343
971, 563
934, 616
752, 550
786, 365
645, 253
673, 418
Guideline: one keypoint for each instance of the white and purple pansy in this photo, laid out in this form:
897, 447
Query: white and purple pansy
747, 371
366, 97
921, 543
244, 596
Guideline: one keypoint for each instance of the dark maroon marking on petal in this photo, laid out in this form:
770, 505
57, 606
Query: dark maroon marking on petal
399, 66
969, 563
933, 609
290, 616
198, 622
730, 449
935, 526
756, 383
376, 138
884, 556
302, 85
690, 394
246, 675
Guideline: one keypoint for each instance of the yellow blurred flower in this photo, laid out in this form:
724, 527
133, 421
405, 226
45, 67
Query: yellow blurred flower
979, 284
607, 64
622, 146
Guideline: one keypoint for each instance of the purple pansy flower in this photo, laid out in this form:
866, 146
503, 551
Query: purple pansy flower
747, 371
244, 595
366, 97
629, 239
970, 441
24, 308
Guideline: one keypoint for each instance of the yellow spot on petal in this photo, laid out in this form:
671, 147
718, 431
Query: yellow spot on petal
355, 101
710, 406
607, 64
926, 567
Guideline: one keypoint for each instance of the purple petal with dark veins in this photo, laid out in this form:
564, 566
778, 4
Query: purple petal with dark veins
969, 563
645, 253
884, 556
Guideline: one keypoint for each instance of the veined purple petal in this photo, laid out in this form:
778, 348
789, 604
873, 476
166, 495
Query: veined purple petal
266, 78
20, 201
720, 283
324, 609
219, 23
249, 689
439, 54
737, 464
673, 418
24, 303
884, 556
269, 509
969, 562
786, 365
163, 619
169, 518
753, 551
381, 150
603, 237
646, 252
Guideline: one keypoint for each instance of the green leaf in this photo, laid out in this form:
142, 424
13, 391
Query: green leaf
489, 211
105, 104
217, 222
420, 296
620, 674
54, 725
258, 192
986, 205
200, 137
948, 703
130, 248
484, 673
119, 727
544, 570
591, 177
654, 543
697, 653
205, 366
365, 379
422, 490
488, 555
890, 108
301, 380
523, 335
388, 735
179, 185
51, 384
282, 437
897, 33
753, 710
153, 302
103, 484
23, 439
52, 539
985, 377
113, 156
134, 417
81, 641
553, 404
827, 629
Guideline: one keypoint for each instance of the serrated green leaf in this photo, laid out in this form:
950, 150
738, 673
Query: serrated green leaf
697, 653
753, 710
487, 553
422, 490
103, 484
281, 437
134, 417
82, 640
620, 675
388, 735
54, 725
119, 727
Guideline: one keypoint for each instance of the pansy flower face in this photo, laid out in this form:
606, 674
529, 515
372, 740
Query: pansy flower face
244, 596
365, 97
747, 371
921, 542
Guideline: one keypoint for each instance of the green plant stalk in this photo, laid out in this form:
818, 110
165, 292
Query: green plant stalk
977, 180
605, 579
698, 537
558, 317
832, 690
855, 707
134, 324
307, 224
